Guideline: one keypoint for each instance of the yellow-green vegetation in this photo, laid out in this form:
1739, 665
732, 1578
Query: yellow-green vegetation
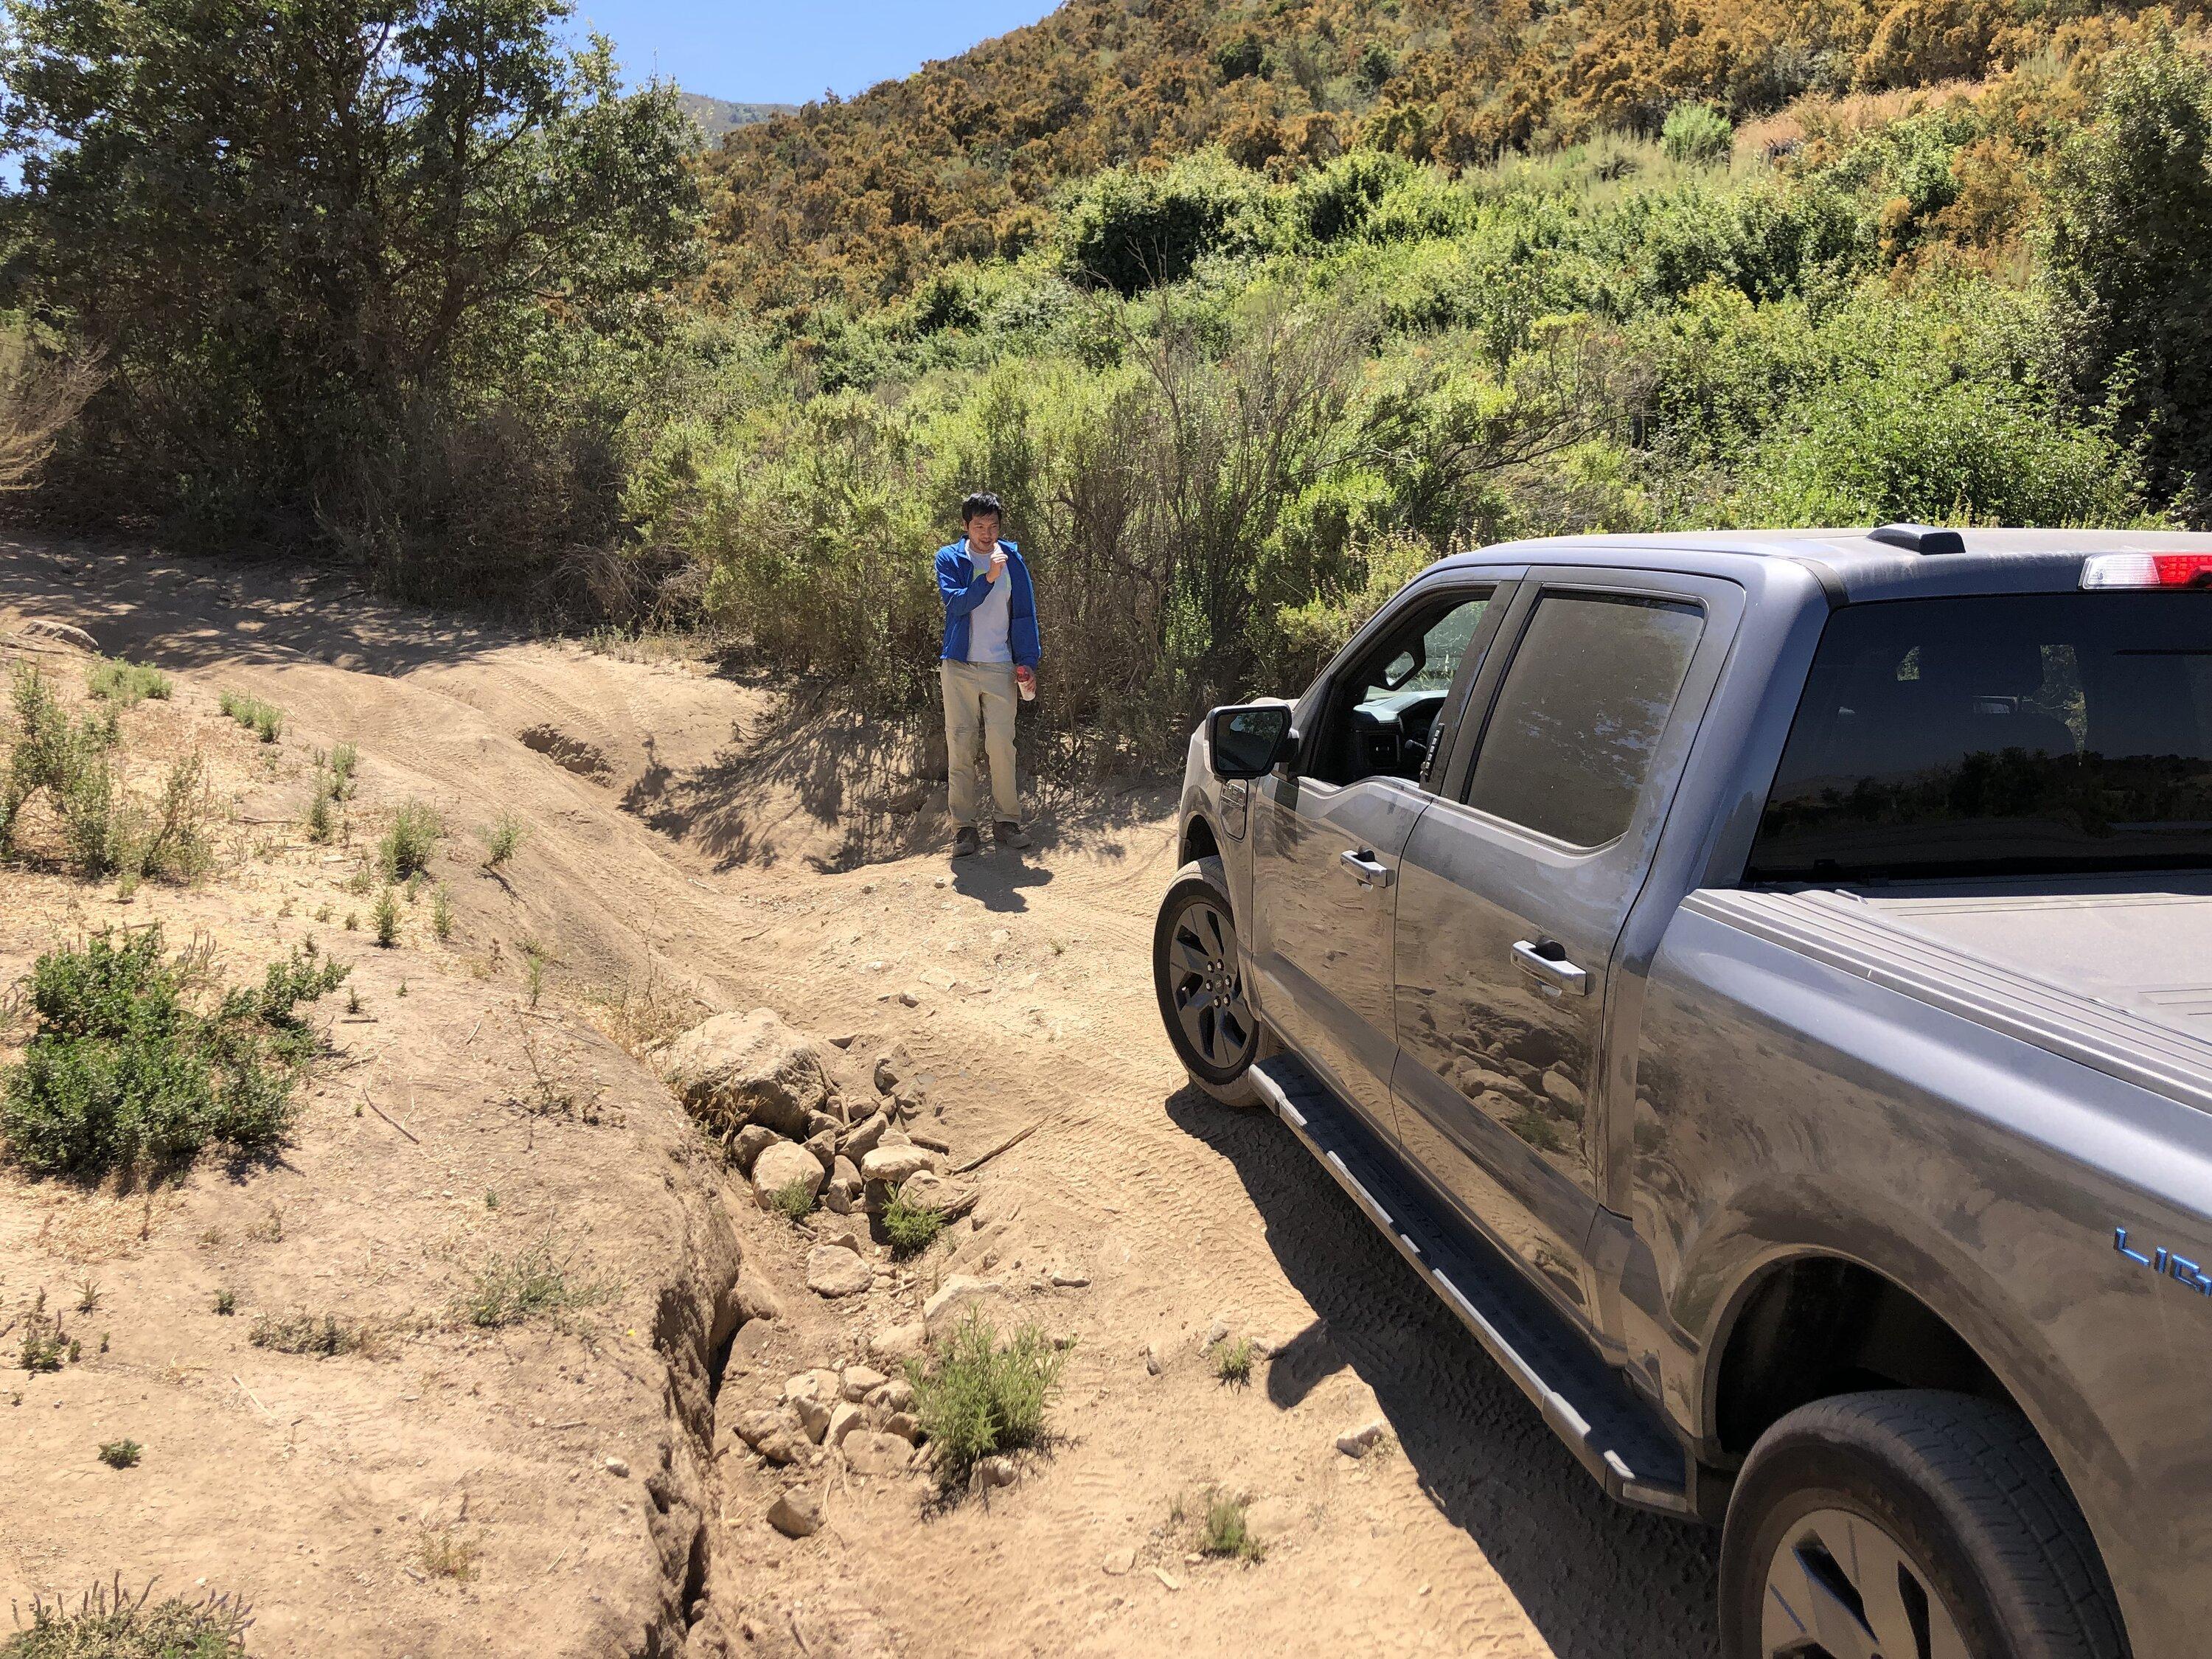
502, 839
1223, 1529
386, 917
441, 912
109, 1622
226, 1302
121, 1453
127, 683
975, 1394
136, 1059
46, 1345
406, 847
445, 1554
539, 1279
323, 1335
1232, 1361
911, 1227
264, 720
793, 1201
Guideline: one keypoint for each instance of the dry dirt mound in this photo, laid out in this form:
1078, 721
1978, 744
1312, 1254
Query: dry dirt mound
739, 854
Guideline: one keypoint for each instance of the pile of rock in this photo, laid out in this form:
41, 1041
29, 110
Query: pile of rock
774, 1098
857, 1417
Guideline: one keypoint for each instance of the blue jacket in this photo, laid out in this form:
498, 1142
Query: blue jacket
963, 587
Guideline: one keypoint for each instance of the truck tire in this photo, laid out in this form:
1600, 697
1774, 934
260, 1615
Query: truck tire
1912, 1524
1199, 978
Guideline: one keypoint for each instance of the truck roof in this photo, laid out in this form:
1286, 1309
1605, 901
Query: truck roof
1851, 564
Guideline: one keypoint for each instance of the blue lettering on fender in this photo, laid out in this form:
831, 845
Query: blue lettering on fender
2165, 1263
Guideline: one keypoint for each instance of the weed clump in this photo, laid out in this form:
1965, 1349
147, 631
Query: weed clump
443, 1553
264, 720
1223, 1529
120, 1453
126, 1066
977, 1395
1232, 1361
793, 1201
67, 760
127, 683
226, 1302
911, 1227
441, 912
323, 1335
509, 1290
109, 1623
501, 840
407, 845
387, 919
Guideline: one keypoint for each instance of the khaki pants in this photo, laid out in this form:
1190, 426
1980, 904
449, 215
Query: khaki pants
979, 702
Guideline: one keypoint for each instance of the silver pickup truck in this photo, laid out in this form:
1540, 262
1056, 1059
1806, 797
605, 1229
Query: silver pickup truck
1763, 984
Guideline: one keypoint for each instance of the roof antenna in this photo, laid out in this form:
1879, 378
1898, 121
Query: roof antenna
1919, 539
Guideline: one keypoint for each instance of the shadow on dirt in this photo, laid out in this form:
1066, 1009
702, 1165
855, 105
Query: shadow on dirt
1598, 1581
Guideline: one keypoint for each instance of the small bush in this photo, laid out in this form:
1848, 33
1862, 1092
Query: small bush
226, 1302
124, 1068
387, 919
976, 1396
108, 1623
120, 1453
911, 1227
264, 720
510, 1290
127, 683
170, 841
323, 1335
45, 1343
67, 761
322, 818
1223, 1529
501, 840
1697, 133
441, 912
1232, 1361
407, 846
345, 759
444, 1553
793, 1201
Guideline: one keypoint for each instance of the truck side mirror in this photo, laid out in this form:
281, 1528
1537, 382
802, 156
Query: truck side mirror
1250, 741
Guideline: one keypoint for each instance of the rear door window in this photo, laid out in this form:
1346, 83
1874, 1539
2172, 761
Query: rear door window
1569, 743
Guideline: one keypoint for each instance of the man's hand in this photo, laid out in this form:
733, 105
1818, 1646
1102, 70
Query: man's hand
1025, 678
997, 564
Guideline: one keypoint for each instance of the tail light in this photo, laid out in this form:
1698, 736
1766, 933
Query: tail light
2146, 570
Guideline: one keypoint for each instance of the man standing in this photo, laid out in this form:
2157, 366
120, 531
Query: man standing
990, 659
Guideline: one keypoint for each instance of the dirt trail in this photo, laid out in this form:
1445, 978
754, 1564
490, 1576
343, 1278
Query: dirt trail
692, 834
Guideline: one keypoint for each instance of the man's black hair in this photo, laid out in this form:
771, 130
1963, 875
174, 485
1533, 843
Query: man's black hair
981, 502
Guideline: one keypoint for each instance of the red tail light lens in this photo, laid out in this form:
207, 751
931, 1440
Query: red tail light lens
2146, 570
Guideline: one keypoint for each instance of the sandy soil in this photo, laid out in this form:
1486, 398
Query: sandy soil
699, 842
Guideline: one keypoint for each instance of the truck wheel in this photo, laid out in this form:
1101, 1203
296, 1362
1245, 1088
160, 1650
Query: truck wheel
1910, 1524
1200, 981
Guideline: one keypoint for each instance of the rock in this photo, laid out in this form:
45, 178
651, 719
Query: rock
893, 1164
896, 1344
1156, 1359
1069, 1278
827, 1122
905, 1425
994, 1471
895, 1396
756, 1298
813, 1417
1358, 1443
876, 1454
749, 1068
1561, 1088
847, 1039
796, 1514
844, 1418
780, 1166
963, 1290
619, 1468
755, 1426
60, 632
1216, 1332
1119, 1563
773, 1435
857, 1383
823, 1146
752, 1141
865, 1137
820, 1384
908, 1000
839, 1230
832, 1270
842, 1193
894, 1067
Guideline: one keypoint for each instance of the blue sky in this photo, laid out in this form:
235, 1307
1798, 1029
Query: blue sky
765, 52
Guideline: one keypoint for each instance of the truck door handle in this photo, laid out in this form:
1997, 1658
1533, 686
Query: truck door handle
1365, 868
1546, 961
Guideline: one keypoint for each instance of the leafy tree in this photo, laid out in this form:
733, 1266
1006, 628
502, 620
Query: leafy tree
296, 228
2131, 218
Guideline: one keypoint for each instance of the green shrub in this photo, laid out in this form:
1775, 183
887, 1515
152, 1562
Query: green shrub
120, 1453
407, 846
501, 840
127, 683
123, 1068
1223, 1529
1697, 133
109, 1623
345, 759
67, 761
386, 917
441, 912
264, 720
793, 1201
1129, 230
1232, 1361
975, 1396
539, 1279
911, 1227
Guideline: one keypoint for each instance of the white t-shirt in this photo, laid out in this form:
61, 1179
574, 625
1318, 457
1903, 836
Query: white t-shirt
988, 622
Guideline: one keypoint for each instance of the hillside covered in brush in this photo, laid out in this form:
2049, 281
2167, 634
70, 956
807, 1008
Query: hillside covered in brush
964, 159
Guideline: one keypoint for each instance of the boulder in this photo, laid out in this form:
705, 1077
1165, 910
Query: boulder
832, 1270
796, 1514
876, 1454
893, 1164
844, 1418
780, 1166
62, 633
954, 1298
905, 1425
864, 1137
994, 1471
1563, 1088
776, 1436
896, 1344
857, 1383
842, 1193
893, 1067
752, 1141
737, 1069
756, 1298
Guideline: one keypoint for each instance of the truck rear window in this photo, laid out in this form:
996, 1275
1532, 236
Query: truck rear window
2005, 734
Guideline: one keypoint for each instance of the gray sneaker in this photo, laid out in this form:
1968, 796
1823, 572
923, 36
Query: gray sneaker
966, 842
1008, 832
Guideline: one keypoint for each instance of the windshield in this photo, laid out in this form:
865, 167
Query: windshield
2005, 734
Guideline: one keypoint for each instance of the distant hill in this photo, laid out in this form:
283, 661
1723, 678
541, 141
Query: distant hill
719, 115
961, 159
